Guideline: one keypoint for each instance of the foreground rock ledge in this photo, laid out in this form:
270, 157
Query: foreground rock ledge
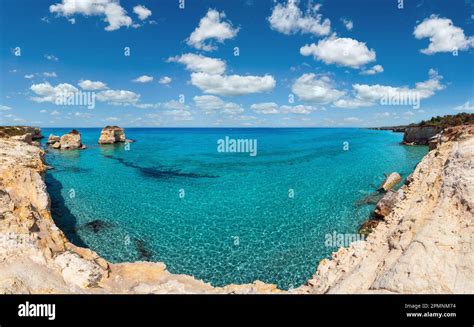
36, 257
425, 244
422, 246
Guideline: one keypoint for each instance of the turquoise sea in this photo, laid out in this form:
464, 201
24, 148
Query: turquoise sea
222, 217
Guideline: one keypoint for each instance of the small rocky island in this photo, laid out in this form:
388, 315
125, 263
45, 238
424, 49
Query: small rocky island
69, 141
111, 135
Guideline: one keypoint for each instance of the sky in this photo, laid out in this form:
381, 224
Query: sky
246, 63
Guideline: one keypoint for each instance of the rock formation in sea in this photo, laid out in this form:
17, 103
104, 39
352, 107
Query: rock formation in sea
112, 134
424, 245
391, 181
69, 141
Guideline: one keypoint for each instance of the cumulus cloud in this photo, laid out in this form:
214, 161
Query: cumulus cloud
165, 80
47, 93
467, 106
265, 108
143, 79
348, 24
372, 71
211, 26
179, 114
316, 89
50, 74
211, 104
51, 57
118, 97
4, 108
232, 84
114, 14
443, 35
175, 105
200, 64
89, 85
369, 95
289, 19
298, 109
142, 12
340, 51
29, 76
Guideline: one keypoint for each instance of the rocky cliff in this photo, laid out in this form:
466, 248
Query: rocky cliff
36, 257
419, 134
423, 246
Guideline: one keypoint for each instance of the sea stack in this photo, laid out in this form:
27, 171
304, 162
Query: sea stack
111, 135
71, 141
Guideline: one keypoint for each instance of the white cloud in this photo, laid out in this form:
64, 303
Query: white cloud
165, 80
51, 57
143, 79
82, 115
289, 19
175, 105
211, 103
348, 24
48, 93
372, 71
211, 26
232, 84
369, 95
466, 106
142, 12
200, 64
113, 13
50, 74
118, 97
180, 115
29, 76
298, 109
265, 108
111, 119
4, 108
55, 113
443, 35
89, 85
341, 51
316, 89
353, 120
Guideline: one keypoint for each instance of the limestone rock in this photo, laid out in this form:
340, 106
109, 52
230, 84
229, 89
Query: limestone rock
78, 271
419, 135
53, 139
391, 181
387, 203
112, 134
71, 141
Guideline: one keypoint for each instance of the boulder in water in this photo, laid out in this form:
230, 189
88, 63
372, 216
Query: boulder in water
391, 180
111, 135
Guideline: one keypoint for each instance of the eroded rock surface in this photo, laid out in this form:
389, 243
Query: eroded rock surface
425, 245
112, 134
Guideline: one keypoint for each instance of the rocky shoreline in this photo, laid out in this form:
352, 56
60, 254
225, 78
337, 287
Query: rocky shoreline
422, 246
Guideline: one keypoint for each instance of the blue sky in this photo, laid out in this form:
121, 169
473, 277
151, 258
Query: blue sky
326, 63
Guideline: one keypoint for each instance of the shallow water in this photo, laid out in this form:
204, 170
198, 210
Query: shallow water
236, 222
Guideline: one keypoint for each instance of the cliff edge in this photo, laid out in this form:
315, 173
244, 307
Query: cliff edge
426, 244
